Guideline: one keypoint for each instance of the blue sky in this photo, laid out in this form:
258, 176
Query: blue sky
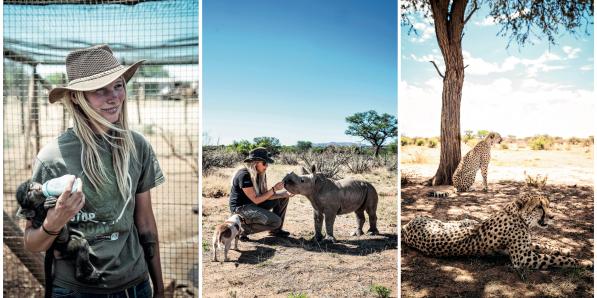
521, 91
295, 70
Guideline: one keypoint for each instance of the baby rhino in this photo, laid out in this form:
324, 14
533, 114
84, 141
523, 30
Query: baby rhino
332, 197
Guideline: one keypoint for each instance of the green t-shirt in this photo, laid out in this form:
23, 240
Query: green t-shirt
107, 219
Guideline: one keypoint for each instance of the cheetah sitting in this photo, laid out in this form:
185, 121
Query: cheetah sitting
508, 229
478, 157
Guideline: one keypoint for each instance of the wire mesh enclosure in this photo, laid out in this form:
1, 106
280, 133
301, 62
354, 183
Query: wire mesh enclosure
162, 105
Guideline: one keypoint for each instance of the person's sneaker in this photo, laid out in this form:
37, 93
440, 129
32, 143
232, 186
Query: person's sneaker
279, 233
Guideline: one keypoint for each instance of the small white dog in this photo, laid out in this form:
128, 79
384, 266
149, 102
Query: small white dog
224, 234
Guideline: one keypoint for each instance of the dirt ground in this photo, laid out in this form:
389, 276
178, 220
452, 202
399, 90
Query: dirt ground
277, 267
570, 188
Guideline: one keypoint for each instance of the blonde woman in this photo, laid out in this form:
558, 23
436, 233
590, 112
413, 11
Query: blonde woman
117, 168
252, 199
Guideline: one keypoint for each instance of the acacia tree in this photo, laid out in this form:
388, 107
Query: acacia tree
372, 127
518, 20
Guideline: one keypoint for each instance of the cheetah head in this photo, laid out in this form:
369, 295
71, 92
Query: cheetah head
493, 138
534, 210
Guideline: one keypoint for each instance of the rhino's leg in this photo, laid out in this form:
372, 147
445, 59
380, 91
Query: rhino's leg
360, 222
371, 211
330, 217
318, 221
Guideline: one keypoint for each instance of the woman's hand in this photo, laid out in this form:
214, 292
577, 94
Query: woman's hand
279, 186
67, 206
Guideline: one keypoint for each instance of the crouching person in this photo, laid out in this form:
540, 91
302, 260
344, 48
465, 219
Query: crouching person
252, 199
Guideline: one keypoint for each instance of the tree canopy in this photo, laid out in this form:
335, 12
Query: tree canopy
372, 127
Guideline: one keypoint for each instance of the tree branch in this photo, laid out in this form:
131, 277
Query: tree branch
475, 8
436, 68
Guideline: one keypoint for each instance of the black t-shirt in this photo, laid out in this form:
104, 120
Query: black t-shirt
238, 198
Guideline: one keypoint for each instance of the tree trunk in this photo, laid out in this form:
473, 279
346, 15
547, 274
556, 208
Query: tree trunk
450, 122
376, 154
449, 23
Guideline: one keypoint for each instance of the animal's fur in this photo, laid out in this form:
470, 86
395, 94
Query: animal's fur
477, 158
223, 235
507, 230
34, 207
333, 197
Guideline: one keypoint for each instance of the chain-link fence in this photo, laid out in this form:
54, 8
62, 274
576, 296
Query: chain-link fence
163, 106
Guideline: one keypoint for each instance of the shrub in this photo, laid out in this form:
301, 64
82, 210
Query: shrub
218, 158
358, 164
327, 163
541, 143
288, 158
432, 143
380, 291
573, 141
538, 181
420, 142
405, 141
504, 146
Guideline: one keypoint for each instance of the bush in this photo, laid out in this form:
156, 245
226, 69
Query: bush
218, 158
538, 181
541, 143
420, 142
380, 291
504, 146
288, 158
327, 163
405, 141
358, 164
432, 143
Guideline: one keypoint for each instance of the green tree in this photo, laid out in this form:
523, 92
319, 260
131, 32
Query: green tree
242, 147
482, 133
303, 146
270, 143
373, 128
518, 19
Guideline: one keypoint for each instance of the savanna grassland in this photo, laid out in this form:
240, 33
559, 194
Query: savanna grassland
560, 168
296, 266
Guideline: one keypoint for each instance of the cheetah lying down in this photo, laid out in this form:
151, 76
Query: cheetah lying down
508, 229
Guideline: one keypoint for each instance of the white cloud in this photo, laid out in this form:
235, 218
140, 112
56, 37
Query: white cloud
488, 21
482, 67
571, 53
509, 107
424, 30
586, 67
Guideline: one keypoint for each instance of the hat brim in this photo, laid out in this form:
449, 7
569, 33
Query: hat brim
96, 83
268, 160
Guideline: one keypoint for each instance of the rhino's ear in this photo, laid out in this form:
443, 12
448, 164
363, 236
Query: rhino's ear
305, 172
313, 169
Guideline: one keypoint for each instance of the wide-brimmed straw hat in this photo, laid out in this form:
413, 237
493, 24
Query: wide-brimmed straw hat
92, 68
259, 153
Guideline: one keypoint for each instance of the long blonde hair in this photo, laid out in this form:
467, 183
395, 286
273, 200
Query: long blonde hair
259, 180
86, 123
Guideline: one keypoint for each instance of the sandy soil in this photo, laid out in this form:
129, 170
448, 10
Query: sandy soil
569, 184
275, 267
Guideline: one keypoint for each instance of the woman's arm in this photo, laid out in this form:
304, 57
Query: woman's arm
148, 237
67, 205
268, 195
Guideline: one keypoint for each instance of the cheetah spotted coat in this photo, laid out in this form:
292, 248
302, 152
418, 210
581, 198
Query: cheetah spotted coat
507, 230
478, 158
